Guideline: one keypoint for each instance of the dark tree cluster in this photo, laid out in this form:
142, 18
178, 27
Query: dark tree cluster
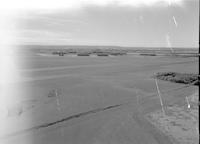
185, 78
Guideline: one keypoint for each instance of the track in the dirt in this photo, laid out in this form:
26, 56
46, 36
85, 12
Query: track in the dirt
79, 115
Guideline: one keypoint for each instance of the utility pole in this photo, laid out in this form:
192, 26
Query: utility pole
159, 95
137, 100
58, 107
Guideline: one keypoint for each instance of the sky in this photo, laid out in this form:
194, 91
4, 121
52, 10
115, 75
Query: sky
135, 23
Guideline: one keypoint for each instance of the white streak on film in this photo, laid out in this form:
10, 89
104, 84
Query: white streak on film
175, 22
169, 43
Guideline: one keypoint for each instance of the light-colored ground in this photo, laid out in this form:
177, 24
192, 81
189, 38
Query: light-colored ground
86, 87
178, 122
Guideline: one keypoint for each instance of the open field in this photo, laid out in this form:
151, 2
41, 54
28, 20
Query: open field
92, 100
79, 50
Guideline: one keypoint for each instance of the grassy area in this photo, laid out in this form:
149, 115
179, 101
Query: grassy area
185, 78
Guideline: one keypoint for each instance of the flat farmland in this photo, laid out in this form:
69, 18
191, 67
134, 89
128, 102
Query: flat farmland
92, 100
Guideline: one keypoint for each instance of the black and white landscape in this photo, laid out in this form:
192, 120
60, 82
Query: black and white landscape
101, 72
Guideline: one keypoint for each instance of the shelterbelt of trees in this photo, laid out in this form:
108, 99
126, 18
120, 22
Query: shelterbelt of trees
185, 78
